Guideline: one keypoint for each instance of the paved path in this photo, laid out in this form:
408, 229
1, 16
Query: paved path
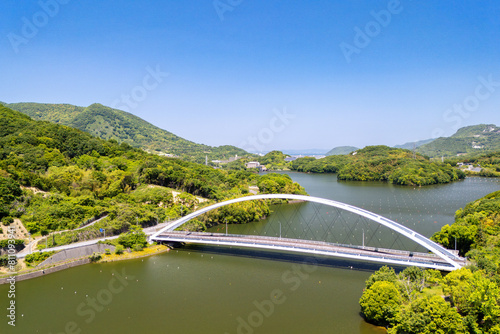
27, 250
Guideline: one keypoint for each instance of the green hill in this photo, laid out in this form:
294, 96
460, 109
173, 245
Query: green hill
53, 178
474, 139
411, 145
381, 163
339, 150
108, 123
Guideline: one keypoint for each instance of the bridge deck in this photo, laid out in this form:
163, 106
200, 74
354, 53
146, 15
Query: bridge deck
379, 255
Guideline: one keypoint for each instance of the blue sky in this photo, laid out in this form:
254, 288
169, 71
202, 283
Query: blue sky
263, 74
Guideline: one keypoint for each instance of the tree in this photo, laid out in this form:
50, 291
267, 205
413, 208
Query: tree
135, 236
380, 303
412, 280
9, 190
383, 274
475, 296
429, 315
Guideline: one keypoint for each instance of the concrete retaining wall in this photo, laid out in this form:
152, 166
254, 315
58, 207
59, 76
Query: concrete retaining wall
39, 273
75, 253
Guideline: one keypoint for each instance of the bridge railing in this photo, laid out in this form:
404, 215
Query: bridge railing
311, 242
387, 254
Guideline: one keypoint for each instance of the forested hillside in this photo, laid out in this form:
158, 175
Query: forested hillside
463, 301
54, 177
342, 150
108, 123
481, 138
381, 163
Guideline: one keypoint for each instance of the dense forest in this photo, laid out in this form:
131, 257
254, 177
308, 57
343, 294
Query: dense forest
57, 178
412, 301
482, 138
381, 163
108, 123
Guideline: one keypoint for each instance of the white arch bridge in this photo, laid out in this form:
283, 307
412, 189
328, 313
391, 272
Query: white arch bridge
438, 257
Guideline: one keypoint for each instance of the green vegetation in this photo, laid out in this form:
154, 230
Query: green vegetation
4, 260
329, 164
18, 243
119, 249
382, 163
274, 160
476, 228
472, 303
56, 179
34, 259
489, 162
412, 145
482, 138
108, 123
94, 257
9, 190
245, 212
341, 150
133, 238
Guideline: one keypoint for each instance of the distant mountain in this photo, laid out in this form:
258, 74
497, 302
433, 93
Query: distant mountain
108, 123
411, 145
340, 150
310, 151
480, 138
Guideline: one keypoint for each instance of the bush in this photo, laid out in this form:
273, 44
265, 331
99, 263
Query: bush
135, 236
119, 250
138, 248
36, 258
107, 251
7, 221
4, 260
95, 257
19, 244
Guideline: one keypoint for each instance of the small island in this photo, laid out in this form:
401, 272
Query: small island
382, 163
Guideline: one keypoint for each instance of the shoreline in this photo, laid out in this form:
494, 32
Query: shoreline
62, 265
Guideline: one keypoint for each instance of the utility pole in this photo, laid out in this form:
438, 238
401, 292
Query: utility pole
226, 226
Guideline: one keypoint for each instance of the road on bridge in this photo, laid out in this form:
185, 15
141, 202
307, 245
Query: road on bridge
399, 257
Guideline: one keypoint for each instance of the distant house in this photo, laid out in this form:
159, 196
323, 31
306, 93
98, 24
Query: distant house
252, 164
288, 159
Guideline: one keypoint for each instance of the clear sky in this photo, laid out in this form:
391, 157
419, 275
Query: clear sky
263, 74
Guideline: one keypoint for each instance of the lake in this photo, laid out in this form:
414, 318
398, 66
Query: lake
220, 290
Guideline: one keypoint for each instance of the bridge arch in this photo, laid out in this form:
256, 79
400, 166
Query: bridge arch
435, 248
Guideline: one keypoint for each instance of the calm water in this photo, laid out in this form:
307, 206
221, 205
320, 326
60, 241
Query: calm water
204, 290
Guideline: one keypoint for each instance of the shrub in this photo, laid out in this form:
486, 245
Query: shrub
119, 249
7, 221
95, 257
35, 258
138, 248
